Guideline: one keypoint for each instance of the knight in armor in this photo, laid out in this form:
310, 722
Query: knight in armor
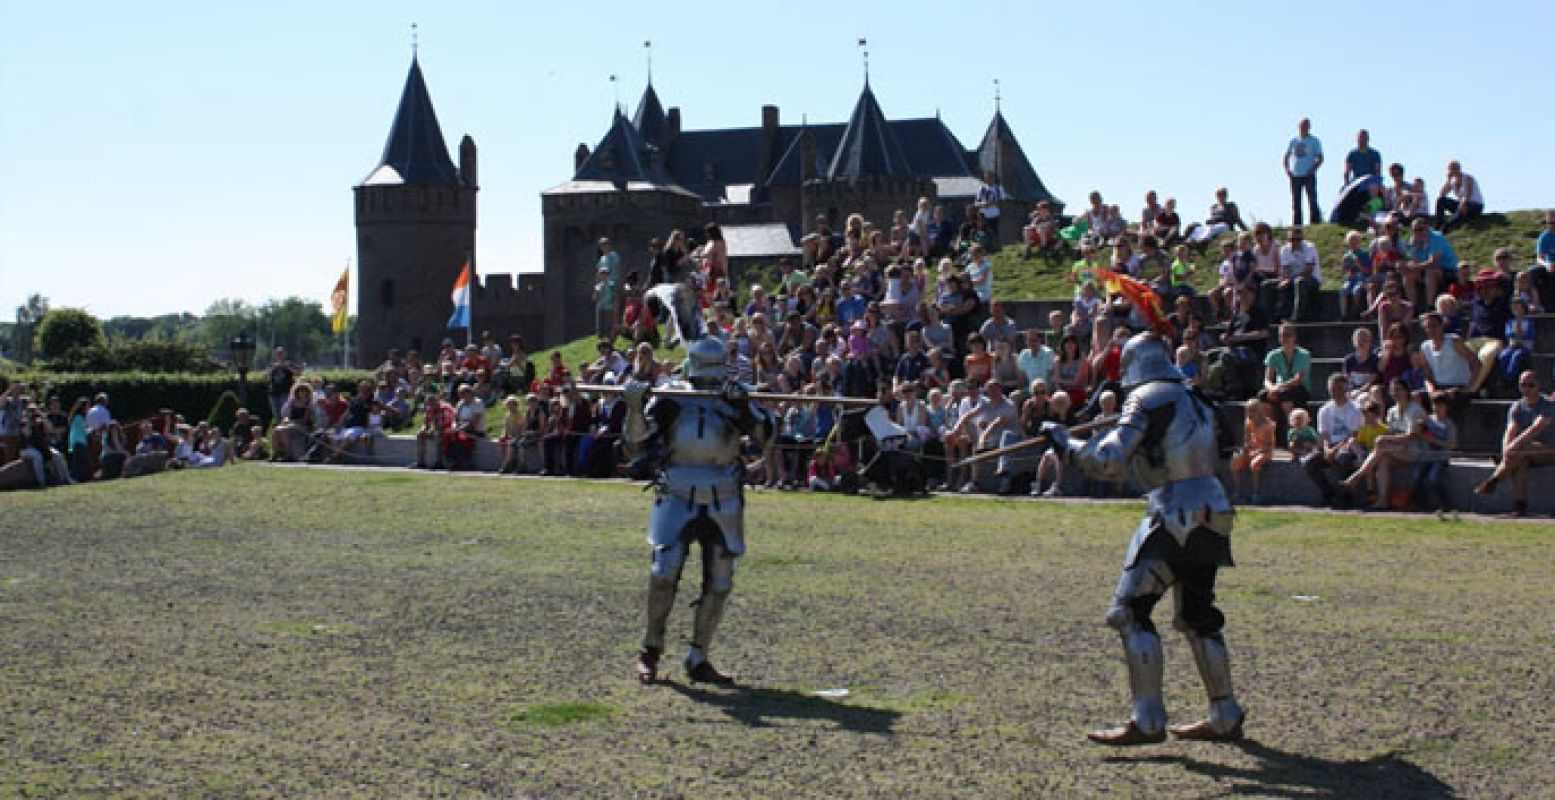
691, 447
1166, 436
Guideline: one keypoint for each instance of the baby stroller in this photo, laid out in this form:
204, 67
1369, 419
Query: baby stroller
880, 445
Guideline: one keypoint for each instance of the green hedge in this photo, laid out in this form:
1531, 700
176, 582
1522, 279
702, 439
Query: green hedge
133, 395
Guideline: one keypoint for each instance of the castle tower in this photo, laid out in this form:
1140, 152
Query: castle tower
415, 228
1000, 154
869, 172
620, 190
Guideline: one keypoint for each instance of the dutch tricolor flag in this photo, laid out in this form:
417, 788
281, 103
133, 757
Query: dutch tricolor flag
461, 296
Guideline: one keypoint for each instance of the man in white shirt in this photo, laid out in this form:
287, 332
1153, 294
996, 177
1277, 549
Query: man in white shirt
1037, 359
989, 195
1288, 297
982, 426
1337, 423
98, 416
1460, 199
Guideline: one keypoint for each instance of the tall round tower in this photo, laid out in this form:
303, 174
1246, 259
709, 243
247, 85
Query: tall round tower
415, 229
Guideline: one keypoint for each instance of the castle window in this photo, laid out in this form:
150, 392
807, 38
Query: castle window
386, 294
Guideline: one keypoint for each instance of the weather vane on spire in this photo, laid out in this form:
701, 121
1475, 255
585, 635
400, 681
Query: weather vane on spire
648, 46
414, 45
995, 94
615, 89
863, 46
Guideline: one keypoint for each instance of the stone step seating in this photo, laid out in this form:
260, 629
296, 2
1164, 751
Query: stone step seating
1479, 432
1542, 364
1283, 482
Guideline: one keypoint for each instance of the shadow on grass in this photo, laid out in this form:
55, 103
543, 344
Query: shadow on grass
758, 708
1282, 774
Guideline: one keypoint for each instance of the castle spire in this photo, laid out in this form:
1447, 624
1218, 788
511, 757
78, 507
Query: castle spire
868, 146
415, 152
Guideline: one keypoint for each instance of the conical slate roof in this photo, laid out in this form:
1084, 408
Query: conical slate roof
649, 119
868, 146
415, 153
621, 157
1001, 154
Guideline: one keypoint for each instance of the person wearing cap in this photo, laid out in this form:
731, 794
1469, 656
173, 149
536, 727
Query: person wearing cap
1488, 315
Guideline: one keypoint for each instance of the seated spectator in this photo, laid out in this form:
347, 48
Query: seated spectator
1398, 447
1460, 199
1360, 365
357, 429
1256, 452
1520, 336
1037, 360
1431, 257
1041, 231
1223, 216
1060, 409
831, 468
1527, 442
1489, 313
978, 366
1179, 275
1452, 363
1235, 272
1360, 288
1288, 297
1006, 368
1287, 378
1337, 423
1522, 286
1439, 435
48, 464
115, 451
438, 420
1543, 270
992, 416
1301, 440
1391, 309
299, 419
1072, 370
1166, 227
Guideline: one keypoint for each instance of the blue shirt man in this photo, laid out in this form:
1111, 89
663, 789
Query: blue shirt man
1425, 244
851, 306
1362, 161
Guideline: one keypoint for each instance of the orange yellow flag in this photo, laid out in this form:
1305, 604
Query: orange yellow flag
1142, 296
337, 301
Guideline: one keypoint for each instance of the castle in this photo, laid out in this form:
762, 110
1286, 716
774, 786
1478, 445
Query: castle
416, 212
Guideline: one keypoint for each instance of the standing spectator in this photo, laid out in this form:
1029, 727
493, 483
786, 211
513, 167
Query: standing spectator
1460, 199
1303, 157
280, 376
1362, 161
1527, 442
989, 196
1337, 423
979, 270
604, 302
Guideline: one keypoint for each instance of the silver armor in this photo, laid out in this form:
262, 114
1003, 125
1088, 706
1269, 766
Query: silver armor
1166, 438
693, 446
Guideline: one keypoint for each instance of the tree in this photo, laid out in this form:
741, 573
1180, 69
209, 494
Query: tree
28, 315
298, 325
65, 328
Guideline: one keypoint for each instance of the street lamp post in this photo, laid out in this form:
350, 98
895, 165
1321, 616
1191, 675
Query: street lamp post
242, 357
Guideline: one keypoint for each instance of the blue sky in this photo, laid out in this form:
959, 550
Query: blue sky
154, 158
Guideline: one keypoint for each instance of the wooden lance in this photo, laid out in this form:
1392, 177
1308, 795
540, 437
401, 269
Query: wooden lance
1089, 427
772, 397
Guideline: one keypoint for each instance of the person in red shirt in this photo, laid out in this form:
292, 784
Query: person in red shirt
438, 420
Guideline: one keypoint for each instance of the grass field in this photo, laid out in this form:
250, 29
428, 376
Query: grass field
263, 631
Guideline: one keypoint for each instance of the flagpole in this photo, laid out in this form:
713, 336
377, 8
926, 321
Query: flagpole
469, 327
345, 330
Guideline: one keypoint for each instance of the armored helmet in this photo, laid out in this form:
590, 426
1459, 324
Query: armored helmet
707, 357
1147, 357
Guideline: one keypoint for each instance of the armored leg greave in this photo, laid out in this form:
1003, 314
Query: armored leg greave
1214, 663
662, 583
1139, 589
717, 583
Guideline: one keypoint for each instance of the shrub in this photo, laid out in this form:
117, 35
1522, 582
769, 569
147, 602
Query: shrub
138, 356
64, 329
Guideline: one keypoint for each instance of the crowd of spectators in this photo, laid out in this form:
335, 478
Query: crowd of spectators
908, 314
